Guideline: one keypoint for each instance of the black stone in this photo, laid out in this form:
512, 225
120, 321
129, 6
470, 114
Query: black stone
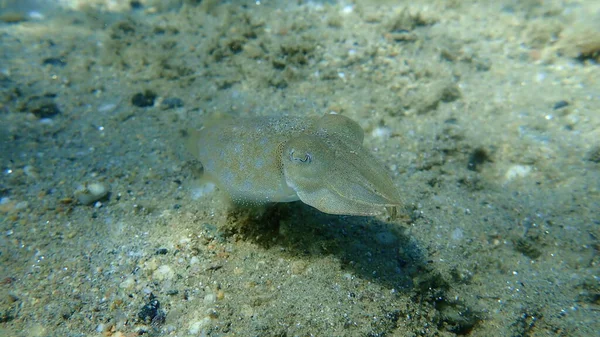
162, 251
594, 154
560, 105
143, 100
477, 157
46, 110
149, 311
171, 103
7, 316
54, 61
135, 4
527, 247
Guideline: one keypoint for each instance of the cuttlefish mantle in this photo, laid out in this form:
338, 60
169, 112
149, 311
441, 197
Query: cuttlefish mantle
318, 160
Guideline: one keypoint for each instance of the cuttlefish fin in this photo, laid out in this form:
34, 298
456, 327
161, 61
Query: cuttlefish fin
341, 127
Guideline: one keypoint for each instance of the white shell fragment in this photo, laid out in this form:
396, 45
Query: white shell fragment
90, 193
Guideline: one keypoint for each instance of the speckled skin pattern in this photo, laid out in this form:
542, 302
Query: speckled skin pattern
319, 160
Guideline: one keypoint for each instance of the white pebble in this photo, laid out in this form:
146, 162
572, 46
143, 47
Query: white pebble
381, 132
128, 283
35, 15
21, 205
107, 107
457, 234
200, 191
196, 327
163, 272
90, 193
210, 298
517, 171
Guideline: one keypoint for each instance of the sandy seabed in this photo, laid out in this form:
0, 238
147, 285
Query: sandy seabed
487, 114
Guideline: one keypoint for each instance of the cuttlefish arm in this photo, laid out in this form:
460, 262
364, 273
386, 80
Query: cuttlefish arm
337, 175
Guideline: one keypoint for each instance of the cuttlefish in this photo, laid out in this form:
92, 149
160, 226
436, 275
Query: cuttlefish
318, 160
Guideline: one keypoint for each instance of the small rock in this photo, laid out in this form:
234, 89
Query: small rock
128, 283
517, 171
478, 157
196, 327
90, 193
144, 100
246, 310
43, 107
220, 295
21, 205
54, 61
560, 105
149, 311
298, 267
163, 272
135, 4
162, 251
171, 103
210, 298
594, 154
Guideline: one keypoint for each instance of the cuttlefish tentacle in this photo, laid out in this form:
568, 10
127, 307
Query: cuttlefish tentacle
320, 161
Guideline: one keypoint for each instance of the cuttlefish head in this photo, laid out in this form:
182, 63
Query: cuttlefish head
337, 176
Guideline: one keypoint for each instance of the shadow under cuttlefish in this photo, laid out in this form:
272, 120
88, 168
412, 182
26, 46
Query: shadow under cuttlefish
369, 247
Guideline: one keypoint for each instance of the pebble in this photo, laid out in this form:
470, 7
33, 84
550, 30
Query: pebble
171, 103
163, 272
88, 194
210, 298
457, 234
21, 205
246, 310
381, 132
54, 61
220, 295
149, 311
298, 267
560, 105
517, 171
7, 205
200, 191
593, 155
162, 251
100, 328
43, 108
478, 157
196, 327
144, 100
135, 4
128, 283
30, 172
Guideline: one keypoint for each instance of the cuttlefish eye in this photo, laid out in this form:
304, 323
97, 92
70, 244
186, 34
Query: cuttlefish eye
303, 159
300, 157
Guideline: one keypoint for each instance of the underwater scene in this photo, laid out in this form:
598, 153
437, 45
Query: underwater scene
369, 168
